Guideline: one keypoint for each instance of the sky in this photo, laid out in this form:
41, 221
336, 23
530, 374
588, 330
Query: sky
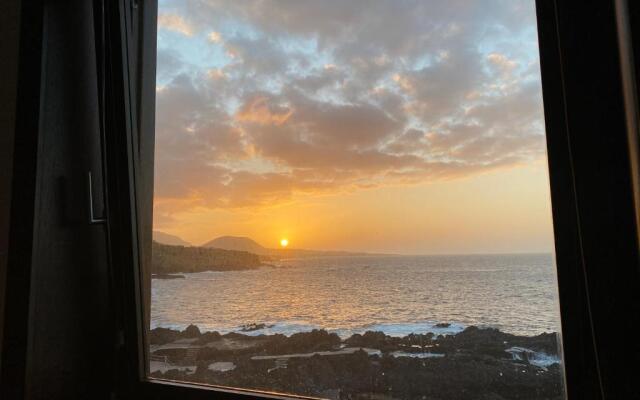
411, 127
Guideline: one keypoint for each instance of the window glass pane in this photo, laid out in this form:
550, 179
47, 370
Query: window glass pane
352, 200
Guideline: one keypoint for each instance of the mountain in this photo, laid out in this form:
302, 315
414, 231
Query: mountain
165, 238
237, 243
168, 259
241, 243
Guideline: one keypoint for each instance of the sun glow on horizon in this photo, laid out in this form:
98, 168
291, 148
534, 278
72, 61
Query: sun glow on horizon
398, 137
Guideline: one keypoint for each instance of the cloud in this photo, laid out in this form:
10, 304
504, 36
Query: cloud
502, 62
214, 37
175, 23
259, 110
262, 103
169, 64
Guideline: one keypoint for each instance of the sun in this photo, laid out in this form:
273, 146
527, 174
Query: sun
284, 242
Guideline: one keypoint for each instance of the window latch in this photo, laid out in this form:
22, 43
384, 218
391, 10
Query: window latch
93, 220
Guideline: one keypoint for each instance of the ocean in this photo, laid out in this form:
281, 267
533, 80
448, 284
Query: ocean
398, 295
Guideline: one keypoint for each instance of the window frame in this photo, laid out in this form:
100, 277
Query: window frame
585, 242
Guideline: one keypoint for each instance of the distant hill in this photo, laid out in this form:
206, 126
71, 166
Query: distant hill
165, 238
167, 259
240, 243
237, 243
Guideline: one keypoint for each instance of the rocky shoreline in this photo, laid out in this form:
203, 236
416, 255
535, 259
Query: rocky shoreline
473, 364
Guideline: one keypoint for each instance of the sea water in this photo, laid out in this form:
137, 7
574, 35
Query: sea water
397, 295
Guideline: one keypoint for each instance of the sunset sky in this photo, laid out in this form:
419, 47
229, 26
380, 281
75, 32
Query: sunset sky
391, 126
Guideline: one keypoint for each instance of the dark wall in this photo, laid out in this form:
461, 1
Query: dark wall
9, 32
67, 325
70, 339
603, 184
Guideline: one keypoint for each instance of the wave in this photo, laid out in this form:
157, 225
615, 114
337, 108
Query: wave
404, 329
417, 355
292, 327
537, 358
390, 329
398, 296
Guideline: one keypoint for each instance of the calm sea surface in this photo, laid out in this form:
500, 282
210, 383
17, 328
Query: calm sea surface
394, 294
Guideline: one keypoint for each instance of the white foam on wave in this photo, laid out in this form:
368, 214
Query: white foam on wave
390, 329
537, 358
417, 355
401, 330
292, 327
282, 328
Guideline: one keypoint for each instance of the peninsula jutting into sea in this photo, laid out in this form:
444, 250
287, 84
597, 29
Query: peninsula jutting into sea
219, 317
225, 253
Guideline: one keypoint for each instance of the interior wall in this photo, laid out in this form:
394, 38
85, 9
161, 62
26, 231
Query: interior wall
9, 32
69, 354
70, 339
604, 197
59, 339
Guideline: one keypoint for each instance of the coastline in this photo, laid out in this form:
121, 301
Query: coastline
288, 328
323, 364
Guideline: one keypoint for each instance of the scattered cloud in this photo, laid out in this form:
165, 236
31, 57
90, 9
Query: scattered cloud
312, 97
259, 110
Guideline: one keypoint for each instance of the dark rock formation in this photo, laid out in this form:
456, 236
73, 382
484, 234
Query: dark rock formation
374, 340
253, 327
316, 340
161, 336
475, 365
207, 337
493, 342
192, 331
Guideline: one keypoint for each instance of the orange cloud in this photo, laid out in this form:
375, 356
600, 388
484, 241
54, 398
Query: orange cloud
175, 23
393, 103
216, 73
260, 111
502, 61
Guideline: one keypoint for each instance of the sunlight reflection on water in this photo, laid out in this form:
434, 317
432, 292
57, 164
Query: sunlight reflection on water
394, 294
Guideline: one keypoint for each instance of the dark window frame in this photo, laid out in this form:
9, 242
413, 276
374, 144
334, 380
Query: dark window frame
592, 190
